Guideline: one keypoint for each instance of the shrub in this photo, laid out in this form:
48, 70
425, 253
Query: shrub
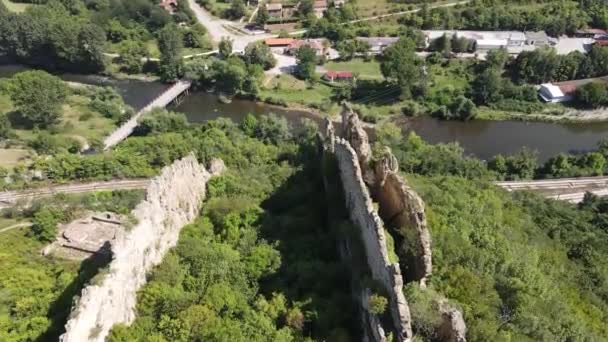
377, 304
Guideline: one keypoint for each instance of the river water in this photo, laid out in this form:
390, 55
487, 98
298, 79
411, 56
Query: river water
483, 139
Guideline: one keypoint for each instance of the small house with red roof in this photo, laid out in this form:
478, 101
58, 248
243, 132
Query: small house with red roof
339, 76
564, 91
278, 45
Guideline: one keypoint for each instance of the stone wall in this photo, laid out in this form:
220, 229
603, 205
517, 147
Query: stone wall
361, 210
173, 200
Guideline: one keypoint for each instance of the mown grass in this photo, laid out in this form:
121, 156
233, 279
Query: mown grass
78, 121
15, 7
364, 69
292, 90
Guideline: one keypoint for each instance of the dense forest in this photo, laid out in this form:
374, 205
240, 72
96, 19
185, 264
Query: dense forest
262, 257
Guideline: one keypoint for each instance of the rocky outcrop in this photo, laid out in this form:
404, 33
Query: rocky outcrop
402, 211
362, 213
453, 328
172, 201
399, 206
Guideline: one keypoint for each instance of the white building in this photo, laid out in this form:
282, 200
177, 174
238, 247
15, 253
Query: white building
556, 93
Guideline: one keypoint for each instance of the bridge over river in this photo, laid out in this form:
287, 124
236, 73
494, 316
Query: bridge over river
567, 189
161, 101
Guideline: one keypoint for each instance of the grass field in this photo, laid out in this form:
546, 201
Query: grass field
78, 121
9, 157
293, 90
15, 7
366, 70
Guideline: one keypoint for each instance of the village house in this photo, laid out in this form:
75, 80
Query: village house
275, 10
278, 45
338, 76
316, 44
169, 5
378, 44
319, 7
538, 38
564, 91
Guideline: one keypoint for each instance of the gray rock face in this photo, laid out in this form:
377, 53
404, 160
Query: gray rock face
362, 213
173, 200
453, 328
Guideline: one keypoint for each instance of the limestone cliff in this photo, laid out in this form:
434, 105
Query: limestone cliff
362, 213
172, 201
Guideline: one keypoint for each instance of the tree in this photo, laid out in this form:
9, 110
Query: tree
487, 87
401, 66
497, 58
536, 66
443, 45
377, 304
229, 76
262, 17
44, 224
237, 9
5, 127
260, 54
225, 48
91, 41
131, 55
38, 96
593, 94
306, 62
170, 44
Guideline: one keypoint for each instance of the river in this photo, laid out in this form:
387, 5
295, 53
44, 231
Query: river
483, 139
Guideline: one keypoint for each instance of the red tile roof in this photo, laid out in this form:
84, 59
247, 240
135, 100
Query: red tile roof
320, 4
339, 74
279, 41
568, 89
592, 31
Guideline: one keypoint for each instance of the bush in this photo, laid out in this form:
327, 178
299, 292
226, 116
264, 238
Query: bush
377, 304
45, 222
593, 94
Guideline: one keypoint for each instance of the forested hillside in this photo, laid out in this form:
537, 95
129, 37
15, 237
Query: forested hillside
261, 263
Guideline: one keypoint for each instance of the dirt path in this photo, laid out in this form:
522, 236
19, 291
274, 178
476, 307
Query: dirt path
15, 226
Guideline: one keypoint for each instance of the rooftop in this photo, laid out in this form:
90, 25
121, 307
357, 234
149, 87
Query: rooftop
274, 7
339, 74
279, 41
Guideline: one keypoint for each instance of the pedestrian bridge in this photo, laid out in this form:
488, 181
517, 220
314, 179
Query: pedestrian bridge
161, 101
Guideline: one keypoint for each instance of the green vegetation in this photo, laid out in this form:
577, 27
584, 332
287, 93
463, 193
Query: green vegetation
41, 112
38, 290
260, 264
521, 268
15, 6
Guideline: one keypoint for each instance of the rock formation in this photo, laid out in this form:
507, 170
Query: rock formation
453, 328
362, 213
172, 201
401, 210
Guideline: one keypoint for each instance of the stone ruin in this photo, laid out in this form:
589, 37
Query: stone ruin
87, 236
173, 199
367, 180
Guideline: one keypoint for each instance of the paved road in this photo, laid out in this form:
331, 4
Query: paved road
217, 28
568, 189
8, 198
